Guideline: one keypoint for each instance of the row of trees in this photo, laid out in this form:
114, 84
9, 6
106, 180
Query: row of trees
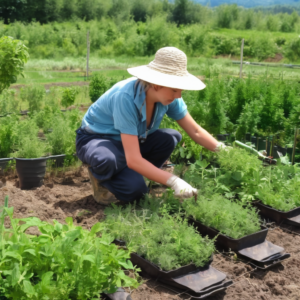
108, 38
178, 11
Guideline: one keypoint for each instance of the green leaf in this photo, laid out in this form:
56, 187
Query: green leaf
28, 288
89, 257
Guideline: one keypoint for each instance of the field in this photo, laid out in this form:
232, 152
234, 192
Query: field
76, 257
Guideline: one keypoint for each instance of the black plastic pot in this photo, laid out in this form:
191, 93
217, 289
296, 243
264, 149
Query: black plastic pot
3, 164
58, 160
292, 217
31, 172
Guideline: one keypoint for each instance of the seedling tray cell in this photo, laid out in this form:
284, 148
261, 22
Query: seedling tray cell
254, 247
291, 217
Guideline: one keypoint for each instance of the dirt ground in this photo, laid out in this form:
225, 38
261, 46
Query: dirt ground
69, 194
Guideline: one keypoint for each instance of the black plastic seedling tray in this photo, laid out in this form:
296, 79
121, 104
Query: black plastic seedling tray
198, 282
254, 247
291, 217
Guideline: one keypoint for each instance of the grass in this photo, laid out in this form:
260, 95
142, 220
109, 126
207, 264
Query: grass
45, 71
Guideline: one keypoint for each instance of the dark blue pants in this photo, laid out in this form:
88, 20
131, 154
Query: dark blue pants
108, 163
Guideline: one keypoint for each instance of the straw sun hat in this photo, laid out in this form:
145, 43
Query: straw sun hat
169, 68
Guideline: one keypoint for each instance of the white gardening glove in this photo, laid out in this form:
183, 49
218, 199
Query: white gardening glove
220, 146
182, 189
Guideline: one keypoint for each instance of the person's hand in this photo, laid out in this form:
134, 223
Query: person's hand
220, 146
181, 188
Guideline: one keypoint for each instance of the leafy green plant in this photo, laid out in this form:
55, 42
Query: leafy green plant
280, 188
229, 217
13, 56
98, 86
63, 262
167, 241
69, 96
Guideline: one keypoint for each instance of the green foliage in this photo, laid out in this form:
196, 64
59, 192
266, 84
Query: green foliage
69, 96
8, 102
186, 150
13, 56
34, 95
63, 262
167, 241
98, 86
7, 135
30, 147
280, 187
62, 137
229, 217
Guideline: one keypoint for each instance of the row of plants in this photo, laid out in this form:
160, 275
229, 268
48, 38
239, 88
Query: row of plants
259, 107
237, 173
47, 132
63, 262
150, 231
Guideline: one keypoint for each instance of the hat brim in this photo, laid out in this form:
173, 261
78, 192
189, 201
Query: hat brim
187, 82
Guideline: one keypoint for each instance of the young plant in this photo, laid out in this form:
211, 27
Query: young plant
64, 262
229, 217
167, 241
34, 95
69, 96
30, 147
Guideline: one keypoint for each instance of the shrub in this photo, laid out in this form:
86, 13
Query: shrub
69, 96
13, 56
98, 87
34, 95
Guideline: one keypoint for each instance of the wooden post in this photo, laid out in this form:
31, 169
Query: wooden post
87, 54
242, 53
294, 146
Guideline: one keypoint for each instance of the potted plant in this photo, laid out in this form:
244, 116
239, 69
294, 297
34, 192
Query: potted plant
30, 165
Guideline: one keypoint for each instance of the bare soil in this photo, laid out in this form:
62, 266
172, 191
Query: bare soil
69, 193
277, 58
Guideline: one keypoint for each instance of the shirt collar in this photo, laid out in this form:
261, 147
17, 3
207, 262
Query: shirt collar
140, 100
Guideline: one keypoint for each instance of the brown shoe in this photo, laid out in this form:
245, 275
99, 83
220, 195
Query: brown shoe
101, 194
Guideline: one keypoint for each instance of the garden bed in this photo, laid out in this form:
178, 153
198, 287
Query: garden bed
69, 194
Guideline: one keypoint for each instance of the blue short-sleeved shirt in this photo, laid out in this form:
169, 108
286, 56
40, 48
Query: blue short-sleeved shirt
122, 109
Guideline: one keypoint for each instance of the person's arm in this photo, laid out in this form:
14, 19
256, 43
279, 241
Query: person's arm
136, 162
197, 133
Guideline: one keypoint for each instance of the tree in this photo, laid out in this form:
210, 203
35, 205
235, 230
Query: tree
13, 56
12, 10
